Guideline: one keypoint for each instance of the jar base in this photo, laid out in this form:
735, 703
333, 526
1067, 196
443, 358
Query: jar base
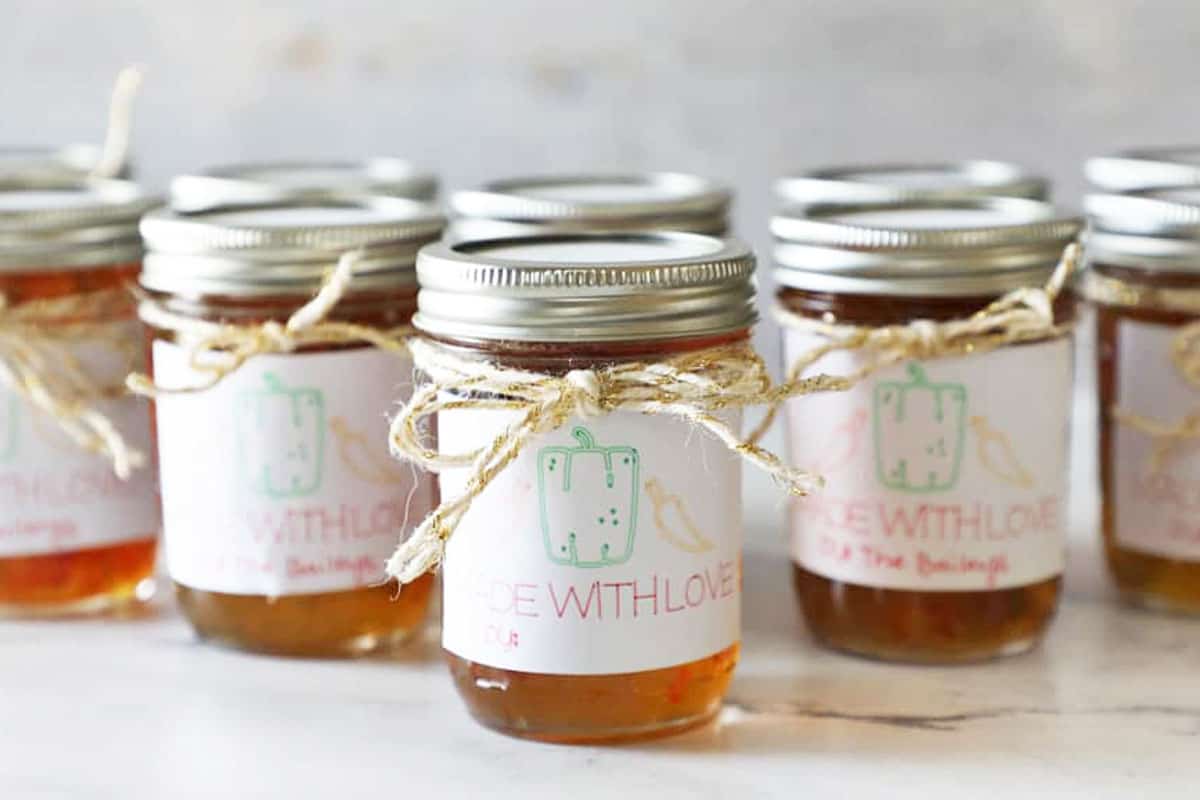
361, 646
1159, 604
594, 709
124, 603
967, 656
346, 624
625, 735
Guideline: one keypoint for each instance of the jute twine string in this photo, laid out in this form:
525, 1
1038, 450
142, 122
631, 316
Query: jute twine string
217, 350
1184, 355
1022, 315
692, 387
38, 360
114, 155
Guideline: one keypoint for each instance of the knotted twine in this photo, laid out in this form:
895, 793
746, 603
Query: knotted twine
692, 387
1025, 314
218, 349
1184, 354
38, 361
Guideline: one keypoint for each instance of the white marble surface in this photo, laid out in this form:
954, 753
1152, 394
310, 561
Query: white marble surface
1108, 707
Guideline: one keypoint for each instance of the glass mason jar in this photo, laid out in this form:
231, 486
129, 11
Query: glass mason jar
1143, 283
74, 537
885, 183
941, 533
280, 500
612, 609
656, 201
296, 181
1146, 168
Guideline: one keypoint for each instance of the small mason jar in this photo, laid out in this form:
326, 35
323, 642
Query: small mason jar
941, 533
296, 181
656, 201
885, 183
1143, 283
592, 592
74, 537
1146, 168
280, 500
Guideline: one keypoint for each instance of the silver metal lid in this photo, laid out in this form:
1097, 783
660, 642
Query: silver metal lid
285, 248
35, 164
1150, 229
1145, 169
243, 184
883, 183
946, 248
70, 224
653, 201
586, 287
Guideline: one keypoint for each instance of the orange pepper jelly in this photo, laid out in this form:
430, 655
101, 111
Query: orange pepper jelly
656, 201
592, 591
940, 535
74, 536
1143, 282
280, 500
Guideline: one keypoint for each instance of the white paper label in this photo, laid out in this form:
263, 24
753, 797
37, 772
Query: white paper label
278, 480
948, 475
1157, 503
56, 497
608, 546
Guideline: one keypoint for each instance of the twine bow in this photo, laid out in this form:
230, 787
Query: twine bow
217, 350
38, 360
1022, 315
692, 387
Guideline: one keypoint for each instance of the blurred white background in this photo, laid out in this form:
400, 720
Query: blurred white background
741, 91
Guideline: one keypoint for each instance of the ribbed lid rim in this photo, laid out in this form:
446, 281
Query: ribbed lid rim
870, 182
217, 230
469, 292
1145, 168
826, 224
515, 199
234, 184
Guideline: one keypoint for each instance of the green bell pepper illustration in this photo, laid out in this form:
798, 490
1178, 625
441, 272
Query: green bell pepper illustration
281, 438
589, 502
919, 428
9, 408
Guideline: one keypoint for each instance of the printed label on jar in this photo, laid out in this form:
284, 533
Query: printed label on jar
609, 546
278, 481
1157, 482
55, 496
947, 475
